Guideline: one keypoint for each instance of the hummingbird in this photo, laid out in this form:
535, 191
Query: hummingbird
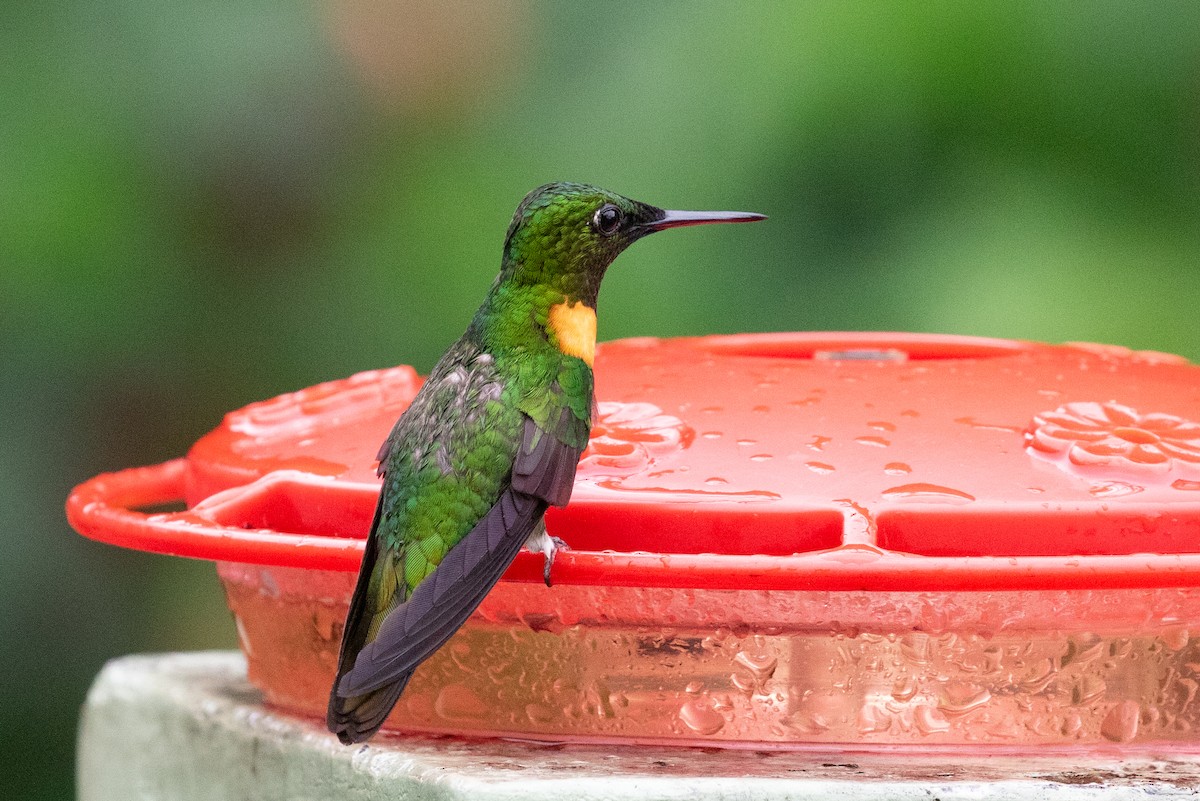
491, 440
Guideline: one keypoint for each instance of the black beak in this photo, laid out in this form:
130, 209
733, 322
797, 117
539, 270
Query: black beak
677, 219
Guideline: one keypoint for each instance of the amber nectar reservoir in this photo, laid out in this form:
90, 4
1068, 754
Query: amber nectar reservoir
777, 540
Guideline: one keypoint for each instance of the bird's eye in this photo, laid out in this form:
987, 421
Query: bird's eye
607, 219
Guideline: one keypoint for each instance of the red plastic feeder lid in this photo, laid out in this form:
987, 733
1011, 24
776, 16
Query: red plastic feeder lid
774, 461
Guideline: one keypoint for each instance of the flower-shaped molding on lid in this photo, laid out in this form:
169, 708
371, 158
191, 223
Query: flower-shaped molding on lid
1114, 440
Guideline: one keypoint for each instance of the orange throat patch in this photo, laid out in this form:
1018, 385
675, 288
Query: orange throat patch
574, 325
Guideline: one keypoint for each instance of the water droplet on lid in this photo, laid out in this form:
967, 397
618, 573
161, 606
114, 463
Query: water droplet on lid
1087, 690
744, 683
711, 435
925, 493
459, 702
1121, 723
761, 457
700, 717
820, 468
916, 648
460, 654
539, 714
873, 719
896, 469
807, 724
929, 720
961, 697
1184, 484
1083, 648
761, 409
747, 442
904, 688
715, 480
880, 425
818, 443
973, 423
760, 663
1044, 671
694, 687
1176, 639
1113, 489
875, 442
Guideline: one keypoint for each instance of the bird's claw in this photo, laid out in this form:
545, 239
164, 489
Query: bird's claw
555, 545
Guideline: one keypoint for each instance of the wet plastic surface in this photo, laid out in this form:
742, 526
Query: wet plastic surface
777, 539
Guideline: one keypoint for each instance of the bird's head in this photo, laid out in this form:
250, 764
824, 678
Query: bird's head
565, 235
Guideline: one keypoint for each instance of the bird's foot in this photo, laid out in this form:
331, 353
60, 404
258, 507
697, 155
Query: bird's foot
555, 544
541, 542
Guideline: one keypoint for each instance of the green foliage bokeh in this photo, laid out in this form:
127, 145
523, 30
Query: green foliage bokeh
203, 205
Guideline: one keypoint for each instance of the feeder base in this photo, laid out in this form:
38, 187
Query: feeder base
189, 726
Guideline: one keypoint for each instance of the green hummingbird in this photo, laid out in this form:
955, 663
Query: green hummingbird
491, 440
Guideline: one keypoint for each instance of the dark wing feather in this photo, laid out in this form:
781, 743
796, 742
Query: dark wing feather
355, 719
546, 467
360, 716
543, 473
442, 603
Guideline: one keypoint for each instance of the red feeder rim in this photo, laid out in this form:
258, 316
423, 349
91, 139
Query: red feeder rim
831, 461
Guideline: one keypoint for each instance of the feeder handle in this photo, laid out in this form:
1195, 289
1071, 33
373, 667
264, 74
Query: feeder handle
103, 509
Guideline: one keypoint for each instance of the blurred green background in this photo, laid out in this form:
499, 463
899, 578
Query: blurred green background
202, 205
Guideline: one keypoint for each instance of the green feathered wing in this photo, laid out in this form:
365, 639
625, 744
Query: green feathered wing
468, 471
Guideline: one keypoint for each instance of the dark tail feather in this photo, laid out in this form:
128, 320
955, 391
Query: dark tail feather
356, 718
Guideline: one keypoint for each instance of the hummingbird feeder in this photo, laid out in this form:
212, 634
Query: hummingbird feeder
776, 540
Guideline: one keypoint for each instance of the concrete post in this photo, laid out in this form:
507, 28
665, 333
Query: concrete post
189, 727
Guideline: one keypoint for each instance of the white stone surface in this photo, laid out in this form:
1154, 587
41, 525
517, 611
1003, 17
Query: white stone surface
188, 727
